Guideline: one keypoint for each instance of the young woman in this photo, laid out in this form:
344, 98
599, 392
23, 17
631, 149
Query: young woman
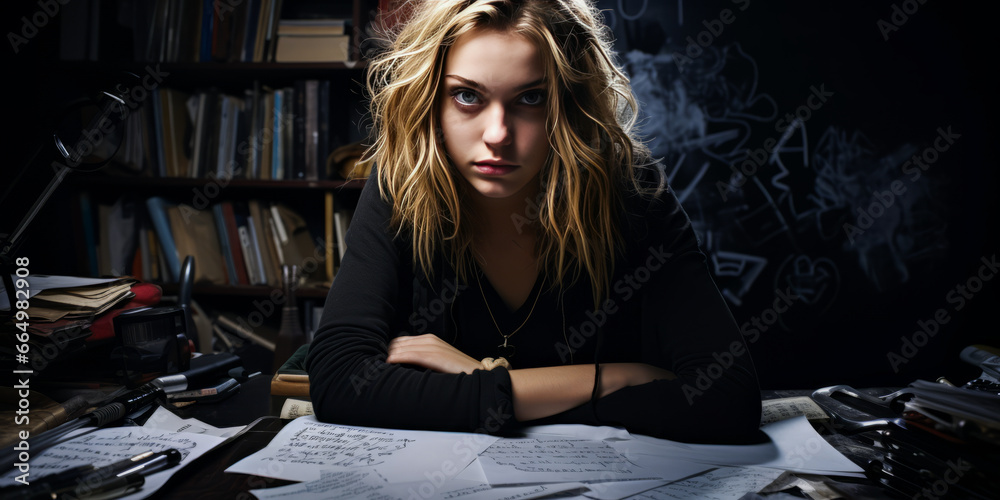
515, 255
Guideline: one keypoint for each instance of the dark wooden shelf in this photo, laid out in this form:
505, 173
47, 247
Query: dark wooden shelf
310, 292
111, 181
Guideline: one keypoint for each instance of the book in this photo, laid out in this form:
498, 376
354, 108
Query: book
251, 21
157, 207
274, 253
310, 162
262, 243
176, 128
318, 26
299, 143
195, 234
287, 131
266, 150
235, 245
261, 33
158, 153
243, 330
227, 251
296, 239
205, 38
313, 48
322, 131
271, 36
279, 124
251, 254
120, 226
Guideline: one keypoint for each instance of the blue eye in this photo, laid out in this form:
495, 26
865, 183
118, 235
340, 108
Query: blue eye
533, 98
465, 97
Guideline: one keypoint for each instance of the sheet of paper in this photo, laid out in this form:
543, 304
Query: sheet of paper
306, 447
363, 484
368, 484
724, 483
105, 446
536, 460
165, 420
576, 431
794, 446
773, 410
618, 490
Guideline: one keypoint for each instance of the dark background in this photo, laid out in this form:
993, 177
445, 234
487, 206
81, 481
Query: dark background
784, 226
783, 229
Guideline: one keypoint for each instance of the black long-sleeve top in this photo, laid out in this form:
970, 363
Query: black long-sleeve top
663, 308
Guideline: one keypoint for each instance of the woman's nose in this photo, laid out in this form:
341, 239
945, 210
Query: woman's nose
496, 133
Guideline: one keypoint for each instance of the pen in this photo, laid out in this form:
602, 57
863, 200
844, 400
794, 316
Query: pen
102, 487
84, 480
88, 479
153, 463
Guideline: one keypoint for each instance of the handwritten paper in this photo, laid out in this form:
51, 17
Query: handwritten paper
368, 484
109, 445
165, 420
295, 408
364, 484
533, 460
306, 447
794, 445
724, 483
617, 490
773, 410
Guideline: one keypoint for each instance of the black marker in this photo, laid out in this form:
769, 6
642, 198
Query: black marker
85, 480
154, 463
204, 369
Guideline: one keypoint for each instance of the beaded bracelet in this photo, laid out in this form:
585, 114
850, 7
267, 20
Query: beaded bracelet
490, 363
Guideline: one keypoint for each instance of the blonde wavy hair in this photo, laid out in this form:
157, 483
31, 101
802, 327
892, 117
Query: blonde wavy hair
590, 116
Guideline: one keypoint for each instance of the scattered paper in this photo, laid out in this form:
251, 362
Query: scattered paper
779, 409
307, 447
618, 490
794, 446
370, 485
109, 445
724, 483
295, 408
165, 420
532, 460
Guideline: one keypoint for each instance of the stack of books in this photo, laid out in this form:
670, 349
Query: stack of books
62, 310
312, 40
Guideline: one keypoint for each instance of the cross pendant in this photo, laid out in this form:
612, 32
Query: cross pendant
506, 351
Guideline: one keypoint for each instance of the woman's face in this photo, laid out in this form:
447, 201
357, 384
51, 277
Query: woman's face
493, 113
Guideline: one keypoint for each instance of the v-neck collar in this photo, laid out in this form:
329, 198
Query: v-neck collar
492, 297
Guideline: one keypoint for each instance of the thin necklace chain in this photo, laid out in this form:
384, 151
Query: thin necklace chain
490, 310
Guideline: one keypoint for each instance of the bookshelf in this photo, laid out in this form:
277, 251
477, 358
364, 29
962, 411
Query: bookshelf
87, 48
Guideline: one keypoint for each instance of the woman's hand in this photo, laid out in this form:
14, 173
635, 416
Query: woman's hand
431, 352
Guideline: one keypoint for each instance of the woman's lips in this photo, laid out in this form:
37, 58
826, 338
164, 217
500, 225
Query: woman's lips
492, 168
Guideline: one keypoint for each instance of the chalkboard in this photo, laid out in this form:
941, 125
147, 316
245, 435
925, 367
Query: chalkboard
832, 158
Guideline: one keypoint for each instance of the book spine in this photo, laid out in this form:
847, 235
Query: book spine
227, 251
157, 208
250, 257
299, 131
311, 111
235, 245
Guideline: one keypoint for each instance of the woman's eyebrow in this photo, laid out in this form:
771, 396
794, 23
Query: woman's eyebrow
476, 85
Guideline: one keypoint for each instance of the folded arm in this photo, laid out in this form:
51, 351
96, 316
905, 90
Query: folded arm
537, 392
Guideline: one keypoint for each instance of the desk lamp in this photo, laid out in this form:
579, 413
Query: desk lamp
87, 137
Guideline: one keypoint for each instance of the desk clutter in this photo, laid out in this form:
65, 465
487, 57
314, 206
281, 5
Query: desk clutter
934, 440
929, 439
